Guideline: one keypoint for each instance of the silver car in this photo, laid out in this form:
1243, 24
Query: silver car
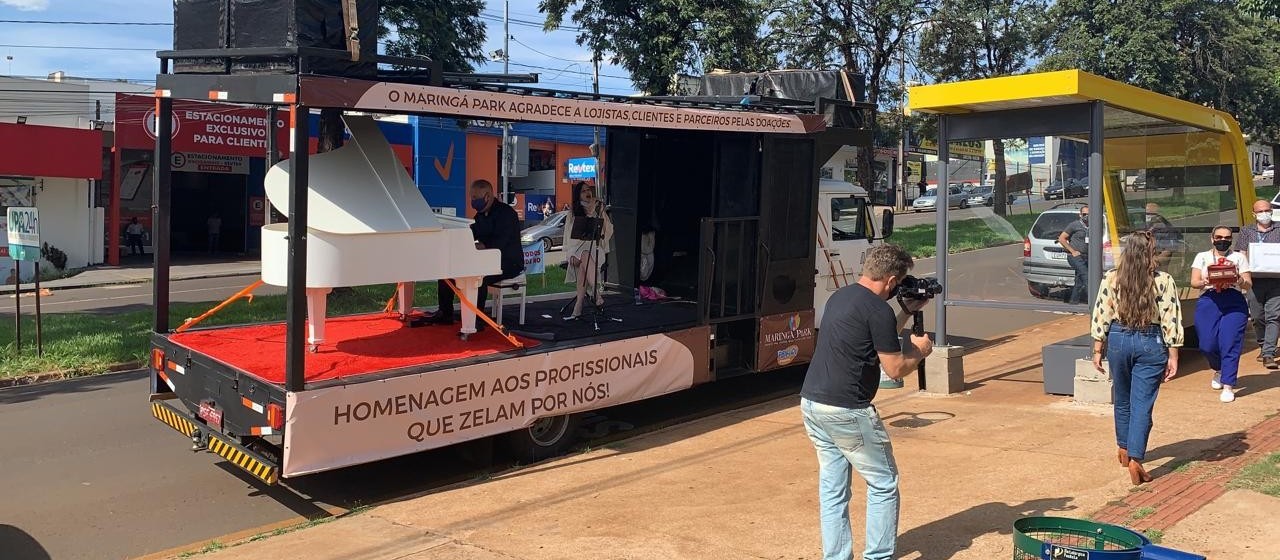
956, 199
550, 231
1044, 261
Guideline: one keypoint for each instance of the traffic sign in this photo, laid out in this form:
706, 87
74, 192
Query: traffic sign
24, 233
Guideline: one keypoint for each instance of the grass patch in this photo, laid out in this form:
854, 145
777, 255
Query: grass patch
1182, 465
1263, 476
1155, 535
87, 343
1143, 513
965, 235
213, 546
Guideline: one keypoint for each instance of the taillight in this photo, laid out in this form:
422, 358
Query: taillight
275, 416
157, 359
1026, 248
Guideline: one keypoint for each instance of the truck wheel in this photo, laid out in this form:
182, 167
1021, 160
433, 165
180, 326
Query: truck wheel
1038, 290
545, 438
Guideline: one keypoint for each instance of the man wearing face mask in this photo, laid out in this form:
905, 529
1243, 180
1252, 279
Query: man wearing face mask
1075, 239
859, 337
496, 226
1264, 297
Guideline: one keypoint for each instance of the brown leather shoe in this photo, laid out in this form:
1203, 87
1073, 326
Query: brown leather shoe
1270, 363
1137, 474
1123, 455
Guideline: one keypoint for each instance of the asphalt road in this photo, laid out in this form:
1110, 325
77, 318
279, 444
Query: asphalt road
94, 476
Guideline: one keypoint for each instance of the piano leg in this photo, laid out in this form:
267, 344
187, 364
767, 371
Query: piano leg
317, 307
470, 288
404, 295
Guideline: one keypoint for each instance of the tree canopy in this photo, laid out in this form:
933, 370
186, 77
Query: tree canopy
447, 30
1205, 51
656, 39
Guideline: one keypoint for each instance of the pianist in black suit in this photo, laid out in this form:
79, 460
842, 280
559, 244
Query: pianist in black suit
497, 226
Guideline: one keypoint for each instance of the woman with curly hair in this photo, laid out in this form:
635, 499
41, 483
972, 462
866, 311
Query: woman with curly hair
1137, 318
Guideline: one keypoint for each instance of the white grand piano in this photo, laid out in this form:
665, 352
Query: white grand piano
368, 224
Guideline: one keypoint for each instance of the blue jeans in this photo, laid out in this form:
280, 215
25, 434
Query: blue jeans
1080, 289
1220, 321
845, 438
1137, 358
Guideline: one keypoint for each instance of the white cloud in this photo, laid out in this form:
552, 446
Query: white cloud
27, 5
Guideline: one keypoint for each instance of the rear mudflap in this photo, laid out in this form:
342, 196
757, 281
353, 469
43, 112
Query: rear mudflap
208, 439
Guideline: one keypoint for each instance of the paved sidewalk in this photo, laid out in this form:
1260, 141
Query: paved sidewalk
743, 484
141, 273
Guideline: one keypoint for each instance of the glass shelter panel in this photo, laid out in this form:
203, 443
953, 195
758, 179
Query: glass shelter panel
1175, 181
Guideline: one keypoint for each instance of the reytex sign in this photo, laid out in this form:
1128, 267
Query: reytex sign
581, 168
198, 127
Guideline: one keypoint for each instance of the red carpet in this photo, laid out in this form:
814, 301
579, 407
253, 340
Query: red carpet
354, 346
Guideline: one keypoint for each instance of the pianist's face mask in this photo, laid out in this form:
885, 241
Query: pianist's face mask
480, 203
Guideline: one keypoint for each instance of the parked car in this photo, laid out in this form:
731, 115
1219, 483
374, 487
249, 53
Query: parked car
550, 231
955, 199
982, 196
1044, 261
1066, 188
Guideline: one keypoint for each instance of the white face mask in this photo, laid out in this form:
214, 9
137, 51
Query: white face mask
1263, 218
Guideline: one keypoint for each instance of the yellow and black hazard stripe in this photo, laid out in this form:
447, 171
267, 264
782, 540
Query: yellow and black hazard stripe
246, 460
177, 421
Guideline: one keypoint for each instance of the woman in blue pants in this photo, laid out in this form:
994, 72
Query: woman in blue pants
1222, 312
1138, 319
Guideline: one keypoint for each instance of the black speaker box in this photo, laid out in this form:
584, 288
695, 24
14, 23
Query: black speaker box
203, 24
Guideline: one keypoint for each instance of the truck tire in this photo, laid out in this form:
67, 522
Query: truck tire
1038, 290
545, 438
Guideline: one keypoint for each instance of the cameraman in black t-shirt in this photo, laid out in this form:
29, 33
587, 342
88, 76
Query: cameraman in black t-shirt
859, 335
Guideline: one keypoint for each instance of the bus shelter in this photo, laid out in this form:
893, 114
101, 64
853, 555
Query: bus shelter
1138, 159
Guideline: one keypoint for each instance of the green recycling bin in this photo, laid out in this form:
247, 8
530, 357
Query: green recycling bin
1064, 538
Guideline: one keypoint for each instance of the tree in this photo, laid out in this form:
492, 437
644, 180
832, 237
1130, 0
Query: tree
863, 37
1204, 51
975, 39
445, 30
657, 39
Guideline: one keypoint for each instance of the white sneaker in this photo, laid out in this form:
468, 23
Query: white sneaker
1228, 394
1217, 381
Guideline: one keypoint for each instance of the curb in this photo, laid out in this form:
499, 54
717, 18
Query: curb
8, 290
47, 377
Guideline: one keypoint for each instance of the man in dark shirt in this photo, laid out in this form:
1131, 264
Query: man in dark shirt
1075, 239
496, 226
1264, 297
859, 335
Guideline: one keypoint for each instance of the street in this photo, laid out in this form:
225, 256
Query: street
908, 218
109, 481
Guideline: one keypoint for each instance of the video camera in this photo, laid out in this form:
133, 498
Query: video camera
916, 288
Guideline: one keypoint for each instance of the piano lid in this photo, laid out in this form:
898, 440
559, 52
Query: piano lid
358, 188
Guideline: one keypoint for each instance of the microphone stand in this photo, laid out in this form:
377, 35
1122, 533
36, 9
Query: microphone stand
597, 235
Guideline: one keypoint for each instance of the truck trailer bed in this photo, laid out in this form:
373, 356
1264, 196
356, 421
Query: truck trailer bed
359, 345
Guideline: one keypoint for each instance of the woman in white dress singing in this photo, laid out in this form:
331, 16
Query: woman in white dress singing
588, 232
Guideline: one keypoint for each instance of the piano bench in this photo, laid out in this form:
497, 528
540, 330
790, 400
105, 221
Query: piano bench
513, 286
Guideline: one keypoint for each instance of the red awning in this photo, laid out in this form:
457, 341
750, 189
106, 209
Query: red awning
28, 150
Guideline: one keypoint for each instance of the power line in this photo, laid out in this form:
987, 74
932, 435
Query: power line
513, 38
79, 48
46, 22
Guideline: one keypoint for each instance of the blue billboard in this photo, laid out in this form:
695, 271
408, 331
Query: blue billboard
1035, 149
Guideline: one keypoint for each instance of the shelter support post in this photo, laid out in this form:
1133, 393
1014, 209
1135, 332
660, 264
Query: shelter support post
943, 241
296, 303
161, 187
1096, 139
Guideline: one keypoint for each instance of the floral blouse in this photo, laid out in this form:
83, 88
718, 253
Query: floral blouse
1170, 309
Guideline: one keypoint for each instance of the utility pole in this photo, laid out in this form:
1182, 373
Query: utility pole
902, 131
595, 144
506, 126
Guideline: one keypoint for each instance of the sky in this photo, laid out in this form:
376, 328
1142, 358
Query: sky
120, 51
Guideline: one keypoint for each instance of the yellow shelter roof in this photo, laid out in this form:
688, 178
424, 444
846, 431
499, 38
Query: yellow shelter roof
1064, 88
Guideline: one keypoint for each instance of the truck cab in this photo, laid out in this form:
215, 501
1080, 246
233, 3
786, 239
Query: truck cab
845, 231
